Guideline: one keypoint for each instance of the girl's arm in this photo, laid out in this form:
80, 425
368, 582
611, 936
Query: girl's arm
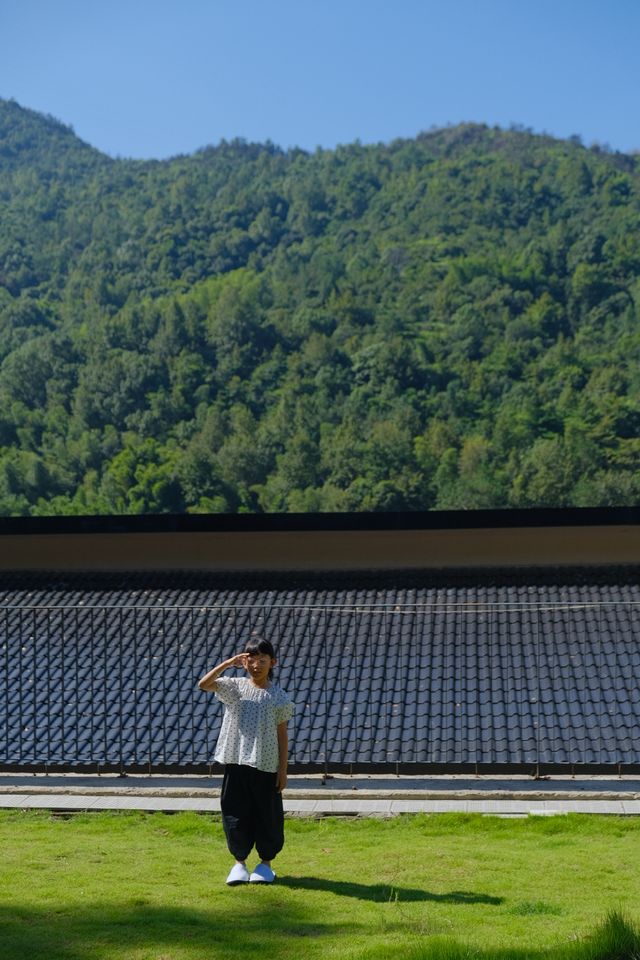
283, 756
208, 682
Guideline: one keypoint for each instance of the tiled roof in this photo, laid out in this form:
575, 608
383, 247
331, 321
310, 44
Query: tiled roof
518, 667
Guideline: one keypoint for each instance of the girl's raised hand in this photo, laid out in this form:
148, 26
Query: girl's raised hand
240, 660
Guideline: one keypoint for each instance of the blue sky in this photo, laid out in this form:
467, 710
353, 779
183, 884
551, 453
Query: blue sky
152, 78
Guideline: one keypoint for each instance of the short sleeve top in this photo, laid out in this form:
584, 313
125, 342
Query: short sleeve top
249, 726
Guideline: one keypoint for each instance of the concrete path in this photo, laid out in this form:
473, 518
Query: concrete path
335, 796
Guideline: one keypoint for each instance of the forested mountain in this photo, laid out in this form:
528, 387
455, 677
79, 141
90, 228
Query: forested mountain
445, 322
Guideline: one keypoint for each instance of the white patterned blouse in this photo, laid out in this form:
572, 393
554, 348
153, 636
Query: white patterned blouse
251, 718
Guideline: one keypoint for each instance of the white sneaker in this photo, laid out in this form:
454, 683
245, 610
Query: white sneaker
262, 874
238, 874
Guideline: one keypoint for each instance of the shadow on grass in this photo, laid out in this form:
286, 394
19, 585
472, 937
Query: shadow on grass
616, 938
108, 931
118, 931
383, 892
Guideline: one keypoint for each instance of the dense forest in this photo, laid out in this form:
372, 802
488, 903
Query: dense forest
450, 321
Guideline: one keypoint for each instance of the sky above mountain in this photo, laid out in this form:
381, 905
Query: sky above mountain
153, 78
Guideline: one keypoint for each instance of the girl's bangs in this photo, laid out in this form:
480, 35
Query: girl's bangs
260, 646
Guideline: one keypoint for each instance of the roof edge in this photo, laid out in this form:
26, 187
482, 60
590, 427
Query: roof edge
307, 522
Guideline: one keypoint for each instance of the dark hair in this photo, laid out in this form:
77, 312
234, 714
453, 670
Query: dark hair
261, 646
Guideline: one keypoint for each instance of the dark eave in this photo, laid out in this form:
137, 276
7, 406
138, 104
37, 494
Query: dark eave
310, 522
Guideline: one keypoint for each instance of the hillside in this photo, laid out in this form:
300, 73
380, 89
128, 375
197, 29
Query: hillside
444, 322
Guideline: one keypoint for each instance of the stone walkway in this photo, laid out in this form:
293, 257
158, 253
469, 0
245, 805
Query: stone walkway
335, 796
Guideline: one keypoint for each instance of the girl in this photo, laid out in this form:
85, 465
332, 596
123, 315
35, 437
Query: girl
253, 746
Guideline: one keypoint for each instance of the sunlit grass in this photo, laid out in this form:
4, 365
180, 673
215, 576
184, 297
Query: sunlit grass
140, 886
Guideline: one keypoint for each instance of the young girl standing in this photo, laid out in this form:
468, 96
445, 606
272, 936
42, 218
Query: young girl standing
253, 745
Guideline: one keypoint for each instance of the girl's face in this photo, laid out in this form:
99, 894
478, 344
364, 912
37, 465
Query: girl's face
258, 666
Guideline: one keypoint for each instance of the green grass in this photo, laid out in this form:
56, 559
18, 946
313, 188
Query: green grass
443, 887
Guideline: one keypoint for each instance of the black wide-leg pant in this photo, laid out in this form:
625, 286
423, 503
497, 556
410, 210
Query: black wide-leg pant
252, 813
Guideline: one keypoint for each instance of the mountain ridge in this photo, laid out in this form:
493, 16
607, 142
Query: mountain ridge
14, 114
22, 131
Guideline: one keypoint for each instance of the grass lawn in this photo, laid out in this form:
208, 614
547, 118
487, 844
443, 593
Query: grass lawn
151, 887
